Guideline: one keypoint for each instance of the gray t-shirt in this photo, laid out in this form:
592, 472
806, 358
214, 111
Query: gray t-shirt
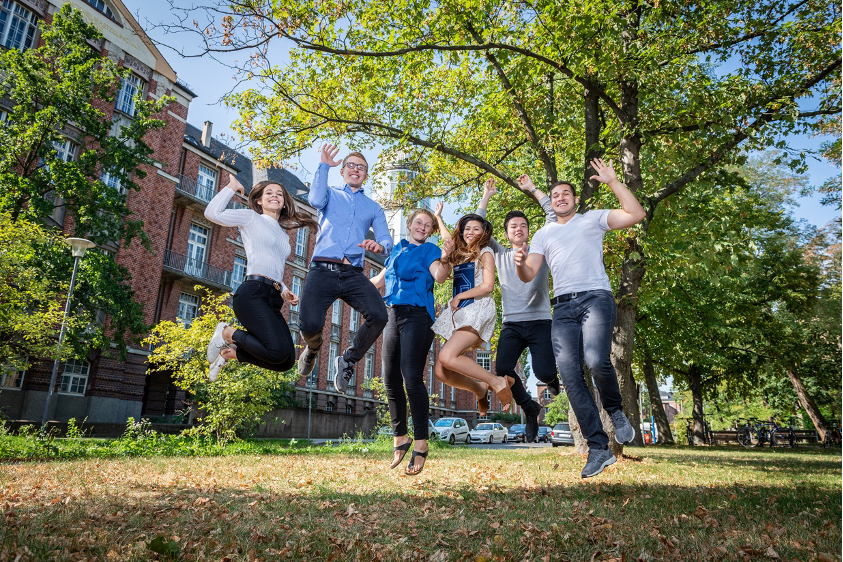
574, 252
521, 301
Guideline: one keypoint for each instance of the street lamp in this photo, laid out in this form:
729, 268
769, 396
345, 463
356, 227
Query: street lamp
78, 247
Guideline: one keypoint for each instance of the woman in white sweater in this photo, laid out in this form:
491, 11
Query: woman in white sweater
266, 340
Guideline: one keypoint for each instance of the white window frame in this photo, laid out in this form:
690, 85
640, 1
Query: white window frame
336, 313
206, 182
301, 241
101, 6
74, 377
333, 352
547, 395
65, 150
130, 87
112, 181
295, 286
187, 300
19, 26
353, 321
453, 395
369, 365
238, 271
373, 272
193, 264
349, 409
431, 377
484, 359
329, 406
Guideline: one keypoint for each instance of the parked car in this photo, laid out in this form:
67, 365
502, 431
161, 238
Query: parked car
561, 435
431, 431
516, 433
488, 433
452, 430
544, 434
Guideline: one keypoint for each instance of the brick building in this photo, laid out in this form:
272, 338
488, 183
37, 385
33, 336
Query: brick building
188, 250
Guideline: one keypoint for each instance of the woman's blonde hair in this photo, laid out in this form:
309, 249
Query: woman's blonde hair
427, 212
462, 252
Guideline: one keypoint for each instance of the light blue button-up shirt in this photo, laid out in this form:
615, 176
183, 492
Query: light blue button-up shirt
345, 217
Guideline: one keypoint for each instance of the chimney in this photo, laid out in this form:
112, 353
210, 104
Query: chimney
206, 134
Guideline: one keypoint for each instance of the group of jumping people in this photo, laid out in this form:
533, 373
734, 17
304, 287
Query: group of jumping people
569, 247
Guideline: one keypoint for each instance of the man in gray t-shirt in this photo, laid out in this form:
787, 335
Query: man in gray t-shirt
526, 307
584, 308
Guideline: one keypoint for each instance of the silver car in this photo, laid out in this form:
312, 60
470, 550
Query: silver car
561, 435
488, 432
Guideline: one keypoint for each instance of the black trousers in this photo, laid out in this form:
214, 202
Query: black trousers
514, 339
266, 340
406, 342
322, 287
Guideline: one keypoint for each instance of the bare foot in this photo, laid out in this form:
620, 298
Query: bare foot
228, 334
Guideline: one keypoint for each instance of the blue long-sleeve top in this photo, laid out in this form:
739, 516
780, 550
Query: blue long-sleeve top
345, 216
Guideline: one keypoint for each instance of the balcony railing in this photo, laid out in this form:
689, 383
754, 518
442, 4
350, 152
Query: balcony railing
196, 269
192, 187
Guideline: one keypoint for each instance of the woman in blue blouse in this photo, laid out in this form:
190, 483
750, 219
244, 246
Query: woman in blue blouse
408, 278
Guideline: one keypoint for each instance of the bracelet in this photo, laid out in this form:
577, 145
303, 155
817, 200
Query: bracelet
534, 190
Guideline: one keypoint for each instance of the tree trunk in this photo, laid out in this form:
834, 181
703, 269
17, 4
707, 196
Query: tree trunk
662, 425
580, 445
593, 127
807, 402
695, 382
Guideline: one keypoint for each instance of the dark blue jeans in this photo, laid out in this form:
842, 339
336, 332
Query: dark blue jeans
514, 339
582, 332
406, 342
322, 287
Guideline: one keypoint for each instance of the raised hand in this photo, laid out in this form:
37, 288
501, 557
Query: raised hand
521, 255
525, 183
438, 211
290, 297
605, 173
329, 153
447, 247
236, 186
489, 189
371, 245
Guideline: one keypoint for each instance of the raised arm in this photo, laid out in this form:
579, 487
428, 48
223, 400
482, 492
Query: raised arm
526, 264
444, 233
439, 269
217, 213
489, 190
318, 195
527, 186
631, 211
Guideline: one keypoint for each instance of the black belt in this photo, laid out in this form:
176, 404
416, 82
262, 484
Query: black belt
566, 297
332, 266
266, 280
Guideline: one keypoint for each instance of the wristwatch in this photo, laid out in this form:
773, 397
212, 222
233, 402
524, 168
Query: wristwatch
534, 190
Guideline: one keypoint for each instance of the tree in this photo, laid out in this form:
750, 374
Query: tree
241, 394
56, 92
557, 410
469, 89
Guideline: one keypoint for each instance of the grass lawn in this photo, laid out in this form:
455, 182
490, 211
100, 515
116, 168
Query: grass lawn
719, 503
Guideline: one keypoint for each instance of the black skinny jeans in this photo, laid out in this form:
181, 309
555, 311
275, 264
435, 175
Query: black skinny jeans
322, 287
266, 341
514, 339
406, 342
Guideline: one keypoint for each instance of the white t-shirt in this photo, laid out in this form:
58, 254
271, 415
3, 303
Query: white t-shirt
574, 252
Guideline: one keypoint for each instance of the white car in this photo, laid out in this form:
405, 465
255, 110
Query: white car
488, 432
452, 430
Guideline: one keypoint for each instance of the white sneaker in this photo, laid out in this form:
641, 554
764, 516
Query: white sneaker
217, 343
214, 370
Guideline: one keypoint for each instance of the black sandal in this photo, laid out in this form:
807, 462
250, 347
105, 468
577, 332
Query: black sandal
403, 448
410, 470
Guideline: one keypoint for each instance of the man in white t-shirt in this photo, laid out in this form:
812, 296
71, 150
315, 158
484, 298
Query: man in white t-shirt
584, 308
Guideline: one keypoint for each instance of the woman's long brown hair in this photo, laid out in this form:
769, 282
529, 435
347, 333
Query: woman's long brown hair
462, 252
289, 218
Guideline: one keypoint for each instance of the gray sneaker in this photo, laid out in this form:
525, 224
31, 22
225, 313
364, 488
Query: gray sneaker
598, 459
343, 375
307, 360
623, 430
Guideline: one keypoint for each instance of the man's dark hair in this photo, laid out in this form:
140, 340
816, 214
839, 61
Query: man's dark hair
514, 215
569, 184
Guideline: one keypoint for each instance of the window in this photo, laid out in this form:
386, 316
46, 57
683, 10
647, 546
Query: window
484, 359
354, 321
453, 395
370, 365
112, 181
11, 378
301, 242
547, 395
74, 378
65, 150
336, 312
349, 409
188, 308
430, 378
206, 183
17, 25
238, 272
373, 272
130, 86
333, 352
197, 244
329, 406
99, 5
296, 289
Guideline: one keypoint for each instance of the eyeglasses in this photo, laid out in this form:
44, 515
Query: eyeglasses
355, 166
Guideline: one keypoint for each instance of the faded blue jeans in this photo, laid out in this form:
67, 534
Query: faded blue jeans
582, 333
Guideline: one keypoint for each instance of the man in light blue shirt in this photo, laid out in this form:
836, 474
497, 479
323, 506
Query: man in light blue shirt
345, 216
